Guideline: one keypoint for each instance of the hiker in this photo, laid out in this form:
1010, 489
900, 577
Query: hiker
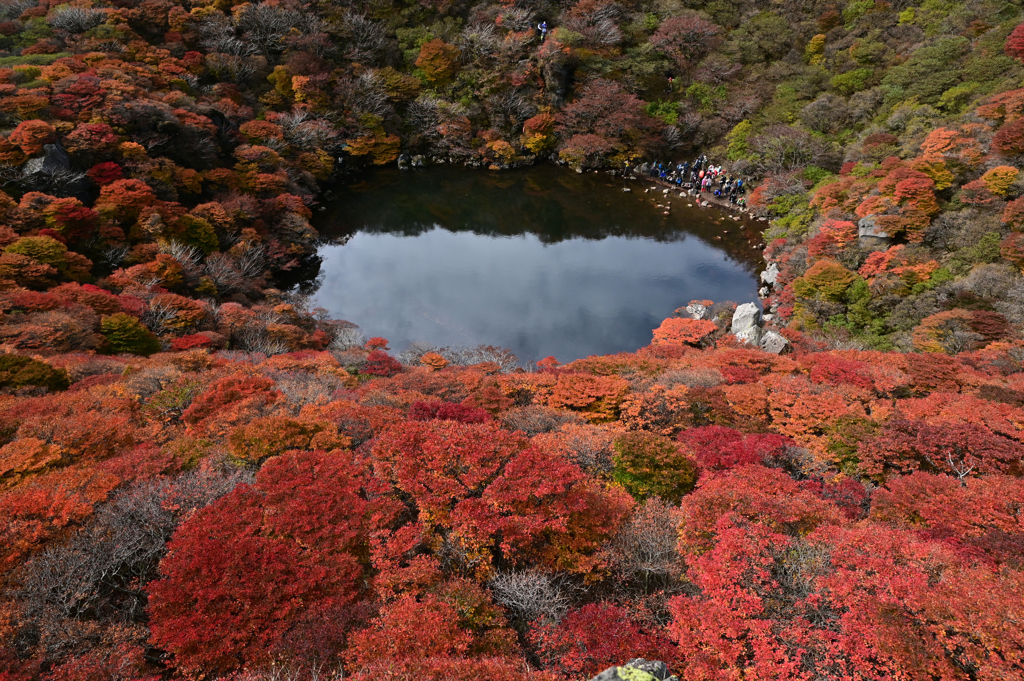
543, 28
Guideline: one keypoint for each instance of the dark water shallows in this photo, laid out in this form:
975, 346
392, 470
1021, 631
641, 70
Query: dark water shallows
542, 261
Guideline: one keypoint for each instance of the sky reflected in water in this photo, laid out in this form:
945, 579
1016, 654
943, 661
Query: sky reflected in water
543, 261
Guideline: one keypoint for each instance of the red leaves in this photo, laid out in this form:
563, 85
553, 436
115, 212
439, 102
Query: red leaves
233, 389
958, 449
597, 636
380, 363
490, 489
716, 448
266, 563
766, 496
446, 411
1009, 140
1014, 45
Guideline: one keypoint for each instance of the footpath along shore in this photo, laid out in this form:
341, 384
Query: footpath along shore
668, 192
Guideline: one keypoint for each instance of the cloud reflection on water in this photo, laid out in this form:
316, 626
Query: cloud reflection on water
570, 299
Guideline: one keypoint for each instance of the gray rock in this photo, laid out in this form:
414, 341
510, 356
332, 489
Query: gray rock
32, 166
697, 311
655, 668
771, 274
637, 670
751, 335
763, 292
746, 316
773, 342
868, 227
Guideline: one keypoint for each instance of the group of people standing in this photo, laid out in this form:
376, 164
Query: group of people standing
704, 177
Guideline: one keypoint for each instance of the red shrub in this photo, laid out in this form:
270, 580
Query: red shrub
590, 639
446, 411
380, 363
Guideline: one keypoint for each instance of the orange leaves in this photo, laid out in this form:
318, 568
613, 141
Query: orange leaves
263, 438
597, 398
660, 410
438, 60
236, 390
826, 279
25, 456
434, 361
899, 262
30, 136
36, 512
958, 148
841, 232
682, 331
804, 411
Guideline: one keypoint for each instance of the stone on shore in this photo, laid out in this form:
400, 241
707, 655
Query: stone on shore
773, 342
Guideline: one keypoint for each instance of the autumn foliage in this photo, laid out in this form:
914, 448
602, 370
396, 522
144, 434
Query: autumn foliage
202, 478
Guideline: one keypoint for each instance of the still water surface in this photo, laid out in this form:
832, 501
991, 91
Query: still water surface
542, 261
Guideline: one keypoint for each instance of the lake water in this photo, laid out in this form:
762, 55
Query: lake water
543, 261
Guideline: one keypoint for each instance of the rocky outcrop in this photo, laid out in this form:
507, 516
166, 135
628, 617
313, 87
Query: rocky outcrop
870, 234
746, 323
747, 327
637, 670
698, 311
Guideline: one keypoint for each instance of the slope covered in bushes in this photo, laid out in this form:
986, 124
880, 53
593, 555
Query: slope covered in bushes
719, 508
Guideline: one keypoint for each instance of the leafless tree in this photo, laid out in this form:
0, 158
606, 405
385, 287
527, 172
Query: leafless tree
12, 9
189, 257
782, 147
347, 338
503, 357
102, 572
256, 338
644, 548
534, 419
366, 40
76, 19
599, 27
306, 132
517, 18
252, 261
828, 113
115, 255
292, 672
366, 94
509, 108
221, 270
300, 389
54, 181
478, 41
423, 115
530, 595
265, 26
231, 67
217, 34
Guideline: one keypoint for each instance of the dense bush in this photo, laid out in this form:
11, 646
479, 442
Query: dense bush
18, 371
